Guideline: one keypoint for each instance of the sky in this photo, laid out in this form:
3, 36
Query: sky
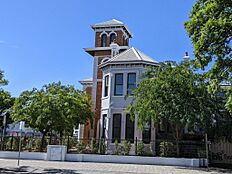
42, 41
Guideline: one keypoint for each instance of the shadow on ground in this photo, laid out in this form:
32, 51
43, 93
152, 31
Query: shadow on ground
210, 169
27, 169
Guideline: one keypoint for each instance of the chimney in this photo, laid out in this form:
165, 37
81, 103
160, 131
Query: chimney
114, 49
186, 57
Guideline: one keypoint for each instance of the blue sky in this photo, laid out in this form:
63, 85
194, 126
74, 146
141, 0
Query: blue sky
42, 41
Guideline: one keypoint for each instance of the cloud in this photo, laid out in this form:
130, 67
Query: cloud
7, 44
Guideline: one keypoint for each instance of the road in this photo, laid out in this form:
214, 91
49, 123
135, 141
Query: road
33, 166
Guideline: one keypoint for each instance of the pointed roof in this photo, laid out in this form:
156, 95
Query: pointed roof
112, 23
131, 56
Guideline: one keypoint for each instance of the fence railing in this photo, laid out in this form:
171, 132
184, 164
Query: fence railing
158, 147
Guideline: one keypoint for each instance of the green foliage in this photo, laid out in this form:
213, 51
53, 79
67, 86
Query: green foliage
54, 107
210, 29
81, 147
6, 102
118, 149
125, 147
93, 146
15, 143
176, 94
102, 146
166, 149
2, 80
140, 148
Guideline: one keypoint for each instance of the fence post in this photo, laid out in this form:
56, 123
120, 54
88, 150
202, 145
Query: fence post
68, 144
11, 142
207, 151
136, 141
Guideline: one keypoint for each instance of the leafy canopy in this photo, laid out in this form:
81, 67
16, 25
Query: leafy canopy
210, 29
54, 107
176, 94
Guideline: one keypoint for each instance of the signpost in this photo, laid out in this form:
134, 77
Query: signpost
21, 128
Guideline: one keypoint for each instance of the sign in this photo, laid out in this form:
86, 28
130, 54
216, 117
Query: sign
22, 125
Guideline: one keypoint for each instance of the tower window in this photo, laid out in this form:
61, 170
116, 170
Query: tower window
106, 86
112, 37
103, 40
118, 85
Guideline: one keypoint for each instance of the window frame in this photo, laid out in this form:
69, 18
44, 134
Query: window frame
103, 40
116, 85
106, 86
111, 35
116, 127
128, 91
104, 116
129, 128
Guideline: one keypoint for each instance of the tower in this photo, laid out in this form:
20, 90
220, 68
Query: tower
106, 33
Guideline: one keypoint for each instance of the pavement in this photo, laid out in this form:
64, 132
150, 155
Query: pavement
9, 166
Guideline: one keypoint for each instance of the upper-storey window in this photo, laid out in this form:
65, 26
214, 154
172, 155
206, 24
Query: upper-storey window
112, 37
118, 85
106, 86
131, 82
103, 40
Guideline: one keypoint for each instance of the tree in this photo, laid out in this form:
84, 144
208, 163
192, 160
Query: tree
210, 29
174, 93
2, 80
55, 107
6, 102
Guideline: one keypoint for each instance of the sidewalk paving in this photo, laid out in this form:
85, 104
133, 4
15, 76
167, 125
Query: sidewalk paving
33, 166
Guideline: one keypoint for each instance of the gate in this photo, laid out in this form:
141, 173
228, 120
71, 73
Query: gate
220, 153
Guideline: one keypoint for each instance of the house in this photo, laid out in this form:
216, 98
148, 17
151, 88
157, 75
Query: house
116, 71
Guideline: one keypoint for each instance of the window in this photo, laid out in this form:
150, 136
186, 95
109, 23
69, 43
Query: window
147, 133
106, 88
104, 125
118, 85
130, 127
103, 40
131, 82
116, 133
112, 37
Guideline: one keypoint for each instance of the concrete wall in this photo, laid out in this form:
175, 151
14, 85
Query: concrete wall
110, 159
134, 160
23, 155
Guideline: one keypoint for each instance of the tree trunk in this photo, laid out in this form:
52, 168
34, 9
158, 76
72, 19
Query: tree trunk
42, 142
178, 136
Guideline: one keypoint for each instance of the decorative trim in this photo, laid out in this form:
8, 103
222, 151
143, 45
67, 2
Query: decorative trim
104, 32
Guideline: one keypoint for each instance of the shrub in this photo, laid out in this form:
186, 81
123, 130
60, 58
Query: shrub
81, 147
15, 143
126, 146
102, 146
140, 148
93, 146
117, 148
166, 149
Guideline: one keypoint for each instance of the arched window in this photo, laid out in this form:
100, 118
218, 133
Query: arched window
103, 40
112, 37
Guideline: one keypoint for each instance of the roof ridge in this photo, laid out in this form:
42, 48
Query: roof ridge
122, 53
137, 53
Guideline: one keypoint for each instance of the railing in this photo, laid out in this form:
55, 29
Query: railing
158, 147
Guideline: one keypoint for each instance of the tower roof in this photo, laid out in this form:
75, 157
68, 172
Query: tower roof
112, 23
109, 23
131, 56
